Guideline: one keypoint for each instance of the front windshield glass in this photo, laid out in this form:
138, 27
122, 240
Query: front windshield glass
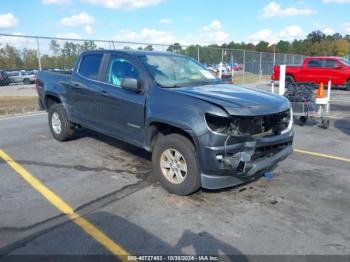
345, 61
176, 71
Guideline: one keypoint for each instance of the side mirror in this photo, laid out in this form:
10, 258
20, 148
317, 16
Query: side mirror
131, 84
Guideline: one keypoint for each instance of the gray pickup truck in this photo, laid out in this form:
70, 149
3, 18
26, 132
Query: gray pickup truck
201, 133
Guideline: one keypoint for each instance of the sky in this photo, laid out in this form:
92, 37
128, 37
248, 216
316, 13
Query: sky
168, 21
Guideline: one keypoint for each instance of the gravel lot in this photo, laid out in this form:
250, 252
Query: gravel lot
18, 90
303, 210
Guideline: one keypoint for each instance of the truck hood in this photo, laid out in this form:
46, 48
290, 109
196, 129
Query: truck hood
237, 100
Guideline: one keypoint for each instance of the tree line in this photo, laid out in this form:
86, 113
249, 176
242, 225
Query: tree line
63, 56
316, 43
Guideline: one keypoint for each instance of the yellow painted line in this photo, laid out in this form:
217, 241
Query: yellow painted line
340, 101
336, 117
322, 155
66, 209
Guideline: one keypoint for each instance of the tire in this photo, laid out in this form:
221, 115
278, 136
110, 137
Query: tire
189, 181
61, 129
289, 80
325, 123
26, 81
303, 120
348, 85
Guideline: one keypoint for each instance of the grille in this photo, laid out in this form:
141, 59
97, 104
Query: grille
269, 124
267, 151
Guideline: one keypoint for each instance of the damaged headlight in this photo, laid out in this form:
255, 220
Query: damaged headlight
223, 125
274, 124
288, 119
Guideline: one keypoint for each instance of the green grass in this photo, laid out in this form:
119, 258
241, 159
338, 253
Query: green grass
249, 78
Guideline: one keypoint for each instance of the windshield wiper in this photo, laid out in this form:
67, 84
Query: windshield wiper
194, 83
170, 86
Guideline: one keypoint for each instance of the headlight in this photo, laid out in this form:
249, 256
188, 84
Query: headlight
217, 124
290, 123
265, 125
223, 125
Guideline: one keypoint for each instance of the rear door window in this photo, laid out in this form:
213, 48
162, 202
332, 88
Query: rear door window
90, 66
313, 63
330, 63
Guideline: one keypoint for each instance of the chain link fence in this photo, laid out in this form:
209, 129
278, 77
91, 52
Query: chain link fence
19, 52
21, 56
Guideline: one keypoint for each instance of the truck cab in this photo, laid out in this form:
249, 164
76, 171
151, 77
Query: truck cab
318, 70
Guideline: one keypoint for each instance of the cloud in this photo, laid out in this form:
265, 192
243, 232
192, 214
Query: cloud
274, 9
147, 36
77, 20
262, 35
124, 4
288, 33
328, 31
88, 29
8, 21
55, 2
83, 19
346, 28
337, 1
215, 25
210, 34
17, 41
166, 21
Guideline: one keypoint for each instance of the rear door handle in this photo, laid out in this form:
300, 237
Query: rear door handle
104, 93
76, 86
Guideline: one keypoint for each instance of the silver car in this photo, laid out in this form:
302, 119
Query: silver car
26, 77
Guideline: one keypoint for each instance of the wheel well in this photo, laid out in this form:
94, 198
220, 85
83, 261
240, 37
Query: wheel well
51, 100
156, 129
290, 75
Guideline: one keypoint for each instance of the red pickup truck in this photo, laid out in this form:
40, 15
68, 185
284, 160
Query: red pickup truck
318, 70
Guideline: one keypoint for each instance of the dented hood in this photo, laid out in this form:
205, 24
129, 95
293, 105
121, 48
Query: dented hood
237, 100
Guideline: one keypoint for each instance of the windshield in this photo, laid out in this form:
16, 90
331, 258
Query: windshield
177, 71
345, 61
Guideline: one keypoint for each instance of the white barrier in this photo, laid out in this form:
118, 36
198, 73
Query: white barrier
282, 86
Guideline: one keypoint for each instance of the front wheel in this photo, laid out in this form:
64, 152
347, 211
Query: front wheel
175, 164
303, 120
348, 85
61, 129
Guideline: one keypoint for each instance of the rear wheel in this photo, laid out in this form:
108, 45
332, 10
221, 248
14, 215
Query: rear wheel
61, 129
325, 123
175, 164
26, 81
289, 80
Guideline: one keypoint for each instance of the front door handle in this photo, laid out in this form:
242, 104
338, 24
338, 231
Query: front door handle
104, 93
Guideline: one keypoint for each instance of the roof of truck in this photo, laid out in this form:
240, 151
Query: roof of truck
323, 57
133, 52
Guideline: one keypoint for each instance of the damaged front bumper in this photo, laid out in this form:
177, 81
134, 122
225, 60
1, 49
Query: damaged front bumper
241, 162
256, 170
